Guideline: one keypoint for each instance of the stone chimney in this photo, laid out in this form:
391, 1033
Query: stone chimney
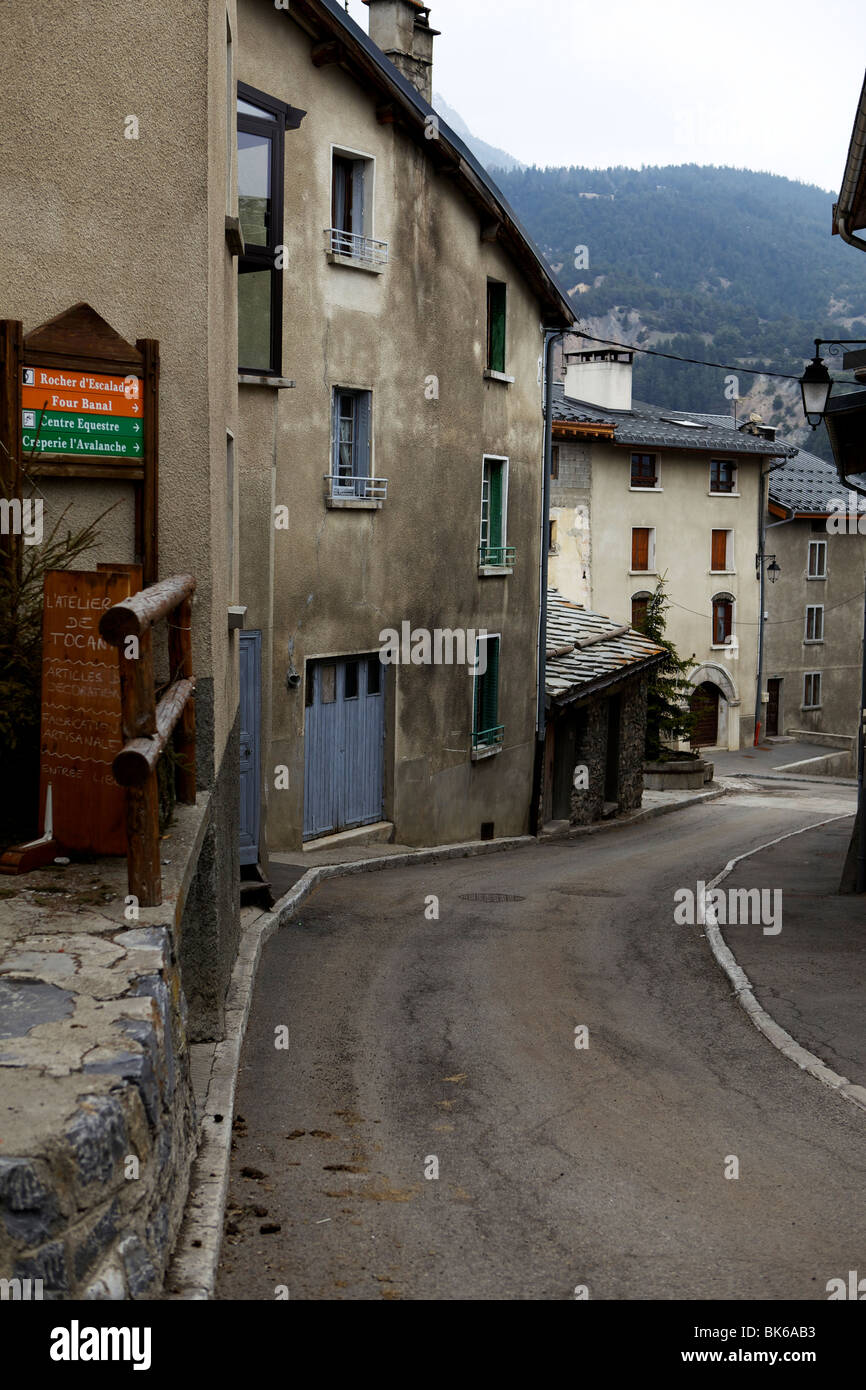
401, 28
600, 376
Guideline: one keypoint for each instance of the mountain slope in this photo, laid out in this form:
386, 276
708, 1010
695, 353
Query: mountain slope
722, 264
488, 155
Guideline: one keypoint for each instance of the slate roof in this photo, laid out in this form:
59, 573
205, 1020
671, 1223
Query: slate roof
802, 484
579, 672
654, 427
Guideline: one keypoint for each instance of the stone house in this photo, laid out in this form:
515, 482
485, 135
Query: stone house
391, 318
596, 704
640, 493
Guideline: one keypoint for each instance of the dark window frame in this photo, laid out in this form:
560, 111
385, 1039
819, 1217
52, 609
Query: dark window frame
717, 485
641, 478
497, 304
723, 608
259, 258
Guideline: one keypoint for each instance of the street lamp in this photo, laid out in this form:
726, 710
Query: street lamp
816, 385
774, 569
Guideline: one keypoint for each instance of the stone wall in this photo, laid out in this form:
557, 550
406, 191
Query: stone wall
587, 805
99, 1125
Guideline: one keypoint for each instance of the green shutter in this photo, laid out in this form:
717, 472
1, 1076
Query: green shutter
496, 326
487, 693
494, 513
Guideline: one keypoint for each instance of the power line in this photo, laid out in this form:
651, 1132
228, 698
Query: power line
698, 361
770, 622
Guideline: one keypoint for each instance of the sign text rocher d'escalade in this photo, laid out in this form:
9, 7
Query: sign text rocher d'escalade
77, 413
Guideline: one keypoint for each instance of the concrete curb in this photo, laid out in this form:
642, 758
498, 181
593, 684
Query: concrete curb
773, 1031
193, 1269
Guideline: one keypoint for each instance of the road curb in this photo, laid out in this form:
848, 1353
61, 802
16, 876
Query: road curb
194, 1266
774, 1032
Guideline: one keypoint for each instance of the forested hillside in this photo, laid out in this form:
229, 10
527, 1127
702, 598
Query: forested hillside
715, 263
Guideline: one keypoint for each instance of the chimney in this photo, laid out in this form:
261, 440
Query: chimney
600, 376
401, 28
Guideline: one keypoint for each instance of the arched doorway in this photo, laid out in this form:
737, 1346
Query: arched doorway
704, 705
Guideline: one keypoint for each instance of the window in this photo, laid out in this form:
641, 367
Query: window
812, 690
551, 536
817, 560
262, 121
329, 685
495, 326
723, 476
350, 454
723, 619
487, 732
554, 462
815, 623
351, 230
643, 548
374, 675
493, 551
644, 470
639, 607
721, 554
350, 685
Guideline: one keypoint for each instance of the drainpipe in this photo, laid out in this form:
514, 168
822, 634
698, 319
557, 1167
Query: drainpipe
550, 338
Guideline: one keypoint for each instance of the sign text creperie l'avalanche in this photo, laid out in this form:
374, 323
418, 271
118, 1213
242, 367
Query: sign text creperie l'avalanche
81, 414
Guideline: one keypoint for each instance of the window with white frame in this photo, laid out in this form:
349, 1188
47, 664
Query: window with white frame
493, 550
817, 568
815, 622
722, 552
351, 443
812, 690
723, 620
351, 230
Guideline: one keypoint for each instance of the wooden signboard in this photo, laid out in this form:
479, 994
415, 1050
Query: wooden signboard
81, 732
78, 401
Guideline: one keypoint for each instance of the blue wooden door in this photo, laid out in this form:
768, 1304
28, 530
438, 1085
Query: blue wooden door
344, 744
250, 719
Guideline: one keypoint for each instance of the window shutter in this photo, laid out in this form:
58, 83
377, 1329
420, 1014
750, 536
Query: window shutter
362, 438
339, 209
494, 516
719, 551
358, 172
335, 435
640, 548
496, 327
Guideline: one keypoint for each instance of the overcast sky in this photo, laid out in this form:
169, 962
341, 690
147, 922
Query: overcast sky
759, 84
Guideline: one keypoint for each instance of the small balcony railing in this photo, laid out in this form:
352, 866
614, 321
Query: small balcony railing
362, 489
497, 556
488, 738
357, 248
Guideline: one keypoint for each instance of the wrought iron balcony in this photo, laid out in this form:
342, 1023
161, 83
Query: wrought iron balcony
341, 486
364, 249
497, 556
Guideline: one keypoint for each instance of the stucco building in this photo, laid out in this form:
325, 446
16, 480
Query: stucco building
641, 494
814, 634
390, 445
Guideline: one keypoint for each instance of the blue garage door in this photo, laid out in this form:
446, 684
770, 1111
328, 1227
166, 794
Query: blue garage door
344, 744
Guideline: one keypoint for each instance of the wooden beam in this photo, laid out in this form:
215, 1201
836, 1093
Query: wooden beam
134, 615
144, 875
11, 348
149, 513
180, 666
135, 763
322, 54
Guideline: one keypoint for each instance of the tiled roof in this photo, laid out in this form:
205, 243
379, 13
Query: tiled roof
655, 427
581, 669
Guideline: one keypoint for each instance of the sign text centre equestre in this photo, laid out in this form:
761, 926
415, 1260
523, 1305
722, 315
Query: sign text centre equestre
82, 413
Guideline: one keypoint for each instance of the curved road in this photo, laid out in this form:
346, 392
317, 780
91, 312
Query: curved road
411, 1039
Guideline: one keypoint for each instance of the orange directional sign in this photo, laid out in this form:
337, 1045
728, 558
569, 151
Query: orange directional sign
80, 413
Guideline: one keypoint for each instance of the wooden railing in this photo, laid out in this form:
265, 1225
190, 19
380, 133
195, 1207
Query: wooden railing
147, 726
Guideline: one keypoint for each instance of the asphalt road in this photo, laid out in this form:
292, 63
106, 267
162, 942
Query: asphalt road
411, 1039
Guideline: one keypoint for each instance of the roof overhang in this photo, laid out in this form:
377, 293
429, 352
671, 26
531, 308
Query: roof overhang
338, 39
578, 429
585, 690
845, 418
849, 214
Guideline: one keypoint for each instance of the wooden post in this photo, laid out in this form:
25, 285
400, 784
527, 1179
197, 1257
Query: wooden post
11, 350
180, 666
142, 829
148, 514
